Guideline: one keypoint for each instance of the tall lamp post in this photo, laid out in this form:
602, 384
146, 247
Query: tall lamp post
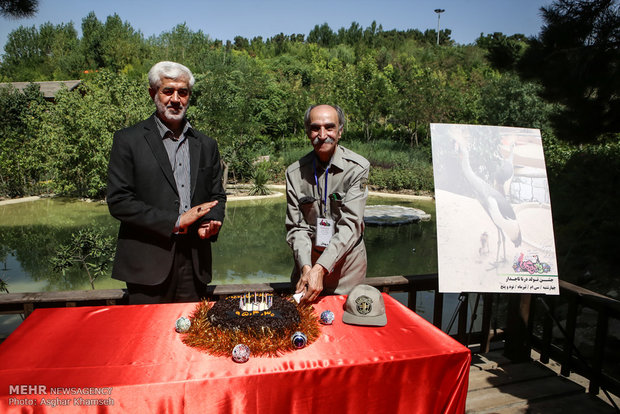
438, 11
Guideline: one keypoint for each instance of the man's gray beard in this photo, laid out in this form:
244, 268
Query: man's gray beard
327, 140
163, 110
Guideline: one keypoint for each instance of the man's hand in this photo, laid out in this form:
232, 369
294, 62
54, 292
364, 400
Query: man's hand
311, 281
190, 216
209, 229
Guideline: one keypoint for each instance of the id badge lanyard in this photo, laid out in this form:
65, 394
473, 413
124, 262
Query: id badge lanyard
316, 182
324, 225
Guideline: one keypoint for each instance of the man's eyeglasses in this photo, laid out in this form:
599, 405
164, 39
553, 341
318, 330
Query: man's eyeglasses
183, 92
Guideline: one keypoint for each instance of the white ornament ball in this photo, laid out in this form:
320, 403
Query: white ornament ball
182, 325
327, 317
241, 353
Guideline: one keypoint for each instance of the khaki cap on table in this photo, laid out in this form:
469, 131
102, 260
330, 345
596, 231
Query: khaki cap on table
365, 306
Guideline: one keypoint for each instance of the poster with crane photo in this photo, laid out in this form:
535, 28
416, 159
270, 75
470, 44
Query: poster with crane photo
494, 227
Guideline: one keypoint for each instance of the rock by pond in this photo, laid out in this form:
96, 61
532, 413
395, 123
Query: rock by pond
385, 215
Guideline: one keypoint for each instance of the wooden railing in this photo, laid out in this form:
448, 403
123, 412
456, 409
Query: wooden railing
518, 323
598, 358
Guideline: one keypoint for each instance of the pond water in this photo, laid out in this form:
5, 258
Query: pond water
251, 247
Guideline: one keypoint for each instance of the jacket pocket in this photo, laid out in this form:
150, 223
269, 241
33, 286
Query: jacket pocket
336, 204
205, 171
310, 209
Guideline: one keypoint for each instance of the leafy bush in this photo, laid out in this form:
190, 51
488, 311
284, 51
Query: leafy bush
4, 286
388, 154
419, 179
259, 178
294, 151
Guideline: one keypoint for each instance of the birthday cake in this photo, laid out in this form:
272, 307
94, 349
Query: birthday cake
254, 311
265, 322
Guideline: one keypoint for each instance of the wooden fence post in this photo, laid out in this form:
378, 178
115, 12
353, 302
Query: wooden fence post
517, 347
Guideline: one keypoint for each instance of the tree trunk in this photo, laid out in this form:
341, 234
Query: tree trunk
224, 166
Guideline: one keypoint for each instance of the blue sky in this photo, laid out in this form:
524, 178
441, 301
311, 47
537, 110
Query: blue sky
225, 19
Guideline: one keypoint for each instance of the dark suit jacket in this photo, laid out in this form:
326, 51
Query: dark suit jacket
142, 194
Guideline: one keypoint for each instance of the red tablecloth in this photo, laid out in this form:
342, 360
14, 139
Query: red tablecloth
130, 359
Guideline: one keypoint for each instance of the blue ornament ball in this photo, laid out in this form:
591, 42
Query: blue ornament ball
299, 340
241, 353
182, 325
327, 317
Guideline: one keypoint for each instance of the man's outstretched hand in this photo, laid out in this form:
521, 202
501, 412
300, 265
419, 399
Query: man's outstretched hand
192, 215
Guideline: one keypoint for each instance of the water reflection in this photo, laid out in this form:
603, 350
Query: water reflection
250, 249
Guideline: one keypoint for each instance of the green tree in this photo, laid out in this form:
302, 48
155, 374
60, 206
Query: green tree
89, 249
257, 46
372, 92
64, 58
22, 55
78, 130
121, 46
22, 159
575, 58
371, 33
430, 37
182, 45
18, 8
425, 95
508, 101
280, 43
91, 47
50, 52
322, 35
351, 36
232, 102
405, 118
241, 43
292, 78
223, 101
503, 52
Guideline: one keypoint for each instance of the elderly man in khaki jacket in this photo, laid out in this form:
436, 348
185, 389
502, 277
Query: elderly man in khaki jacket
326, 192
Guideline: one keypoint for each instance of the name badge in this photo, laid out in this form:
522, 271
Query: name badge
324, 231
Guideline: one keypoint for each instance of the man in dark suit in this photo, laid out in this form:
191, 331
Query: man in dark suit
165, 187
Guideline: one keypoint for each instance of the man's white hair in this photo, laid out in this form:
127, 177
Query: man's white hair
169, 70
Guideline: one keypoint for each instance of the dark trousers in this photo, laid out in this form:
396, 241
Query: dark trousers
181, 285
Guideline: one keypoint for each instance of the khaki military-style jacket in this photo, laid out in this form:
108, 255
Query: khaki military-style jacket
345, 256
